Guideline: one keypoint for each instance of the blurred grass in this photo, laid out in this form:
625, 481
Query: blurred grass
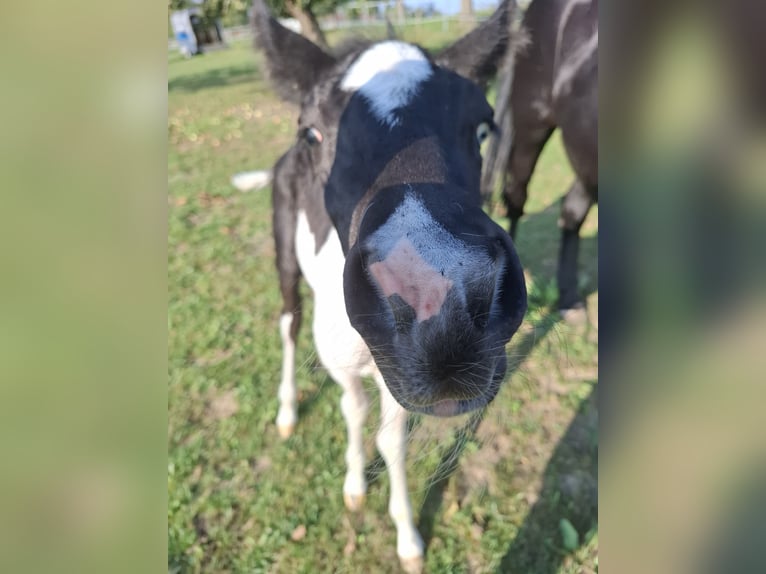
486, 501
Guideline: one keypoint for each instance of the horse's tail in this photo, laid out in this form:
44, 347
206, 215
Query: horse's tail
251, 180
499, 149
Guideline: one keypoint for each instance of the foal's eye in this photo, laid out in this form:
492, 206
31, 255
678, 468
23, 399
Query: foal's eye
312, 135
483, 131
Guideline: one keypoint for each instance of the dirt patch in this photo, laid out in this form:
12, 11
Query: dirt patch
223, 406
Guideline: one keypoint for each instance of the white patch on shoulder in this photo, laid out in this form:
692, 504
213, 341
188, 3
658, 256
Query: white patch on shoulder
388, 75
339, 346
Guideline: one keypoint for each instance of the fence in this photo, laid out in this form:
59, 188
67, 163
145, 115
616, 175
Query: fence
365, 13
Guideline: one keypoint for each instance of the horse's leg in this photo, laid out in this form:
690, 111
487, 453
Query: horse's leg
574, 208
354, 406
391, 441
290, 320
527, 144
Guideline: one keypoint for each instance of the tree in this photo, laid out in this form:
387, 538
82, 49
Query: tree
466, 8
306, 12
400, 16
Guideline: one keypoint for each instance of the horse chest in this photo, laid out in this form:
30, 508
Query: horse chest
322, 268
339, 346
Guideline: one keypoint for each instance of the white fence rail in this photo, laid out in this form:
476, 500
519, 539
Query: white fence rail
364, 13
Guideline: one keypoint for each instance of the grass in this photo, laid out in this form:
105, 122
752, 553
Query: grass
239, 499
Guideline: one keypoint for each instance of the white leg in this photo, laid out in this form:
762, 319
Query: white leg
392, 444
354, 405
288, 394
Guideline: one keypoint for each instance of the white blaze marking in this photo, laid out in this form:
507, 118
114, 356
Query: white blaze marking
403, 272
388, 76
442, 261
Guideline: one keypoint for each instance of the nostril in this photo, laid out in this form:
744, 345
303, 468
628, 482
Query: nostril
367, 255
482, 298
481, 320
404, 315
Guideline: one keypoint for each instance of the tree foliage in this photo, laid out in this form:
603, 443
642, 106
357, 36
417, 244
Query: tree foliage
306, 12
316, 7
225, 9
228, 11
233, 12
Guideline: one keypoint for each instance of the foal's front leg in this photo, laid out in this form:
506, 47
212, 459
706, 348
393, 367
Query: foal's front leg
391, 441
288, 392
284, 224
354, 406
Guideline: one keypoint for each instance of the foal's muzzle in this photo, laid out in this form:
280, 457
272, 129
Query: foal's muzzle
436, 290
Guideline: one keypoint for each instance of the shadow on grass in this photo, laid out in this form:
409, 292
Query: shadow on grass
569, 492
377, 466
217, 77
449, 462
310, 400
569, 483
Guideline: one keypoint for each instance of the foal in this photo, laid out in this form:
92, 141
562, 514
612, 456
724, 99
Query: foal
377, 206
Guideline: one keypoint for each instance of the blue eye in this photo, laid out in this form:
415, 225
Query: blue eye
482, 132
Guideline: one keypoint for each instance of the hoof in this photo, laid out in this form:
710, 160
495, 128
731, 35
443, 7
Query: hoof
285, 431
353, 502
412, 565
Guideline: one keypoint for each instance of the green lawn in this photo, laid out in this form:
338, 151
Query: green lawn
242, 500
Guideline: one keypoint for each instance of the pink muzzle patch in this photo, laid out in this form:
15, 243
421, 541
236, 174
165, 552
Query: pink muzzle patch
405, 273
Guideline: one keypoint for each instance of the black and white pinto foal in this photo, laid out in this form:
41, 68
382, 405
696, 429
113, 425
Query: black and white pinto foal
377, 206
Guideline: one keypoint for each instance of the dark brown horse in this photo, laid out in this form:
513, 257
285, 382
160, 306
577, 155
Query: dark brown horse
553, 83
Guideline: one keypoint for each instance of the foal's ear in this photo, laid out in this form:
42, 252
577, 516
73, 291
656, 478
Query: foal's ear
478, 54
294, 63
